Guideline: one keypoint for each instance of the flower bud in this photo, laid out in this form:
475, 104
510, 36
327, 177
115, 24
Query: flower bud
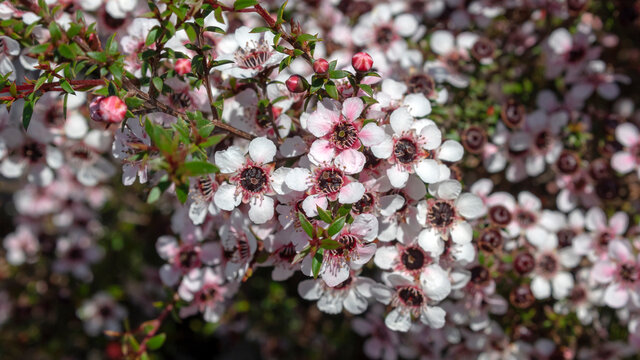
362, 62
321, 66
183, 66
108, 109
296, 84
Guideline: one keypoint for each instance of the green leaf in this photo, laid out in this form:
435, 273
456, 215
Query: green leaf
217, 13
157, 83
55, 32
316, 264
213, 140
67, 87
156, 342
338, 74
336, 225
324, 215
306, 225
112, 45
280, 18
98, 56
182, 192
66, 51
344, 210
133, 102
306, 37
197, 168
366, 88
243, 4
331, 89
27, 111
261, 29
329, 244
39, 48
158, 136
154, 195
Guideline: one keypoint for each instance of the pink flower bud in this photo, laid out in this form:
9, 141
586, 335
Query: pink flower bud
183, 66
296, 84
108, 109
362, 62
321, 66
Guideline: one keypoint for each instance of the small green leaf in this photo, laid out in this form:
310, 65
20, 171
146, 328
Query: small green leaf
331, 90
306, 37
338, 74
316, 263
329, 244
66, 51
98, 56
324, 215
306, 225
243, 4
55, 32
133, 102
67, 87
157, 83
336, 225
261, 29
197, 168
154, 195
156, 342
27, 111
213, 140
39, 48
182, 192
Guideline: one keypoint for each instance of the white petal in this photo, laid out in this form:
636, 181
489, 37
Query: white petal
261, 209
428, 170
435, 282
434, 316
398, 320
262, 150
451, 150
310, 289
298, 179
418, 105
226, 197
401, 120
540, 287
462, 233
351, 193
397, 176
470, 206
229, 160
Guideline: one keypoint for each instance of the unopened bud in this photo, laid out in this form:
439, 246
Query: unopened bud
296, 84
321, 66
362, 62
108, 109
183, 66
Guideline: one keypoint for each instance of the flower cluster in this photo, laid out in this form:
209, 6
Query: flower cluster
459, 178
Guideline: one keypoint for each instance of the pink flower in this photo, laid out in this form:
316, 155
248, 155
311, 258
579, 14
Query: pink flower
621, 273
110, 109
628, 159
341, 134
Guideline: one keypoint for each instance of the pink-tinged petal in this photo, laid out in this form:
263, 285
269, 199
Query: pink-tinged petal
566, 201
355, 303
262, 150
382, 293
620, 251
321, 152
432, 136
365, 226
261, 209
371, 134
319, 124
365, 253
596, 219
385, 257
352, 108
627, 134
619, 222
603, 271
169, 275
227, 198
167, 247
333, 275
397, 176
351, 193
623, 162
446, 190
400, 120
230, 160
415, 188
562, 284
428, 171
418, 105
311, 203
560, 40
470, 206
529, 201
389, 204
351, 161
616, 296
